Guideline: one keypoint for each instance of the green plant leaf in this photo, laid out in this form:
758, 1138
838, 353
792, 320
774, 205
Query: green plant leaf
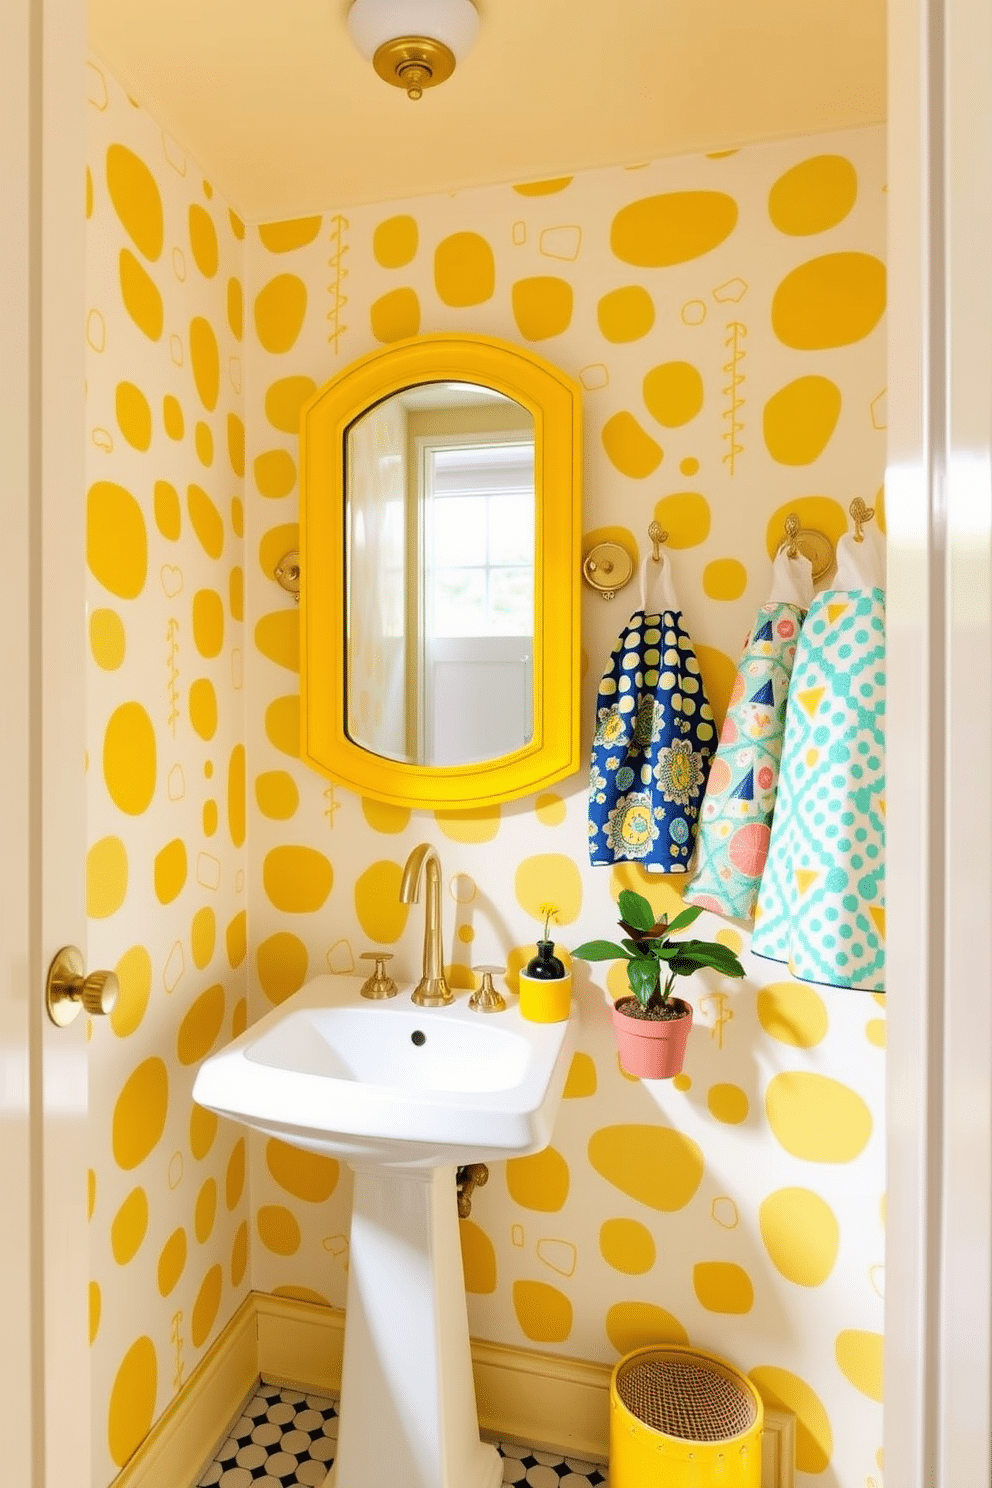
685, 919
632, 947
600, 950
635, 910
643, 978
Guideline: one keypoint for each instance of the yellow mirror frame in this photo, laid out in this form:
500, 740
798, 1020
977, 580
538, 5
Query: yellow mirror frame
554, 400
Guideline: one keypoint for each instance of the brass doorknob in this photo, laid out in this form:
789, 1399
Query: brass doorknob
68, 991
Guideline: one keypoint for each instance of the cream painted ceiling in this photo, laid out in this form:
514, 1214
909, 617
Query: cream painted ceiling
273, 101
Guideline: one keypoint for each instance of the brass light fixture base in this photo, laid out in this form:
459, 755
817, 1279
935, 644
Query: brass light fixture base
414, 63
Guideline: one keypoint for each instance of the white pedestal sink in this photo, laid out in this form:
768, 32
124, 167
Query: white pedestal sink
404, 1095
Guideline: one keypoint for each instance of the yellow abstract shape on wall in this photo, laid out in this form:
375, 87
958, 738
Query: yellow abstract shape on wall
205, 358
875, 1032
630, 447
816, 1118
722, 1286
280, 309
203, 707
172, 417
625, 314
234, 1177
202, 1131
277, 795
236, 792
539, 1182
801, 1235
116, 540
673, 393
129, 1226
718, 673
201, 1025
134, 973
170, 870
800, 419
673, 228
581, 1081
543, 1312
478, 1258
652, 1164
549, 879
830, 301
208, 622
129, 760
297, 879
377, 902
134, 417
542, 306
792, 1013
284, 400
728, 1103
724, 578
550, 809
106, 877
544, 188
477, 825
206, 1306
395, 241
239, 1018
813, 196
139, 1113
282, 724
395, 315
663, 894
237, 226
208, 524
209, 818
136, 199
107, 639
282, 960
464, 270
275, 544
172, 1261
627, 1246
205, 1211
275, 473
239, 1254
131, 1408
203, 936
783, 1391
235, 308
95, 1299
237, 939
634, 1325
236, 451
294, 232
89, 213
820, 512
168, 514
859, 1355
277, 636
236, 592
382, 817
278, 1229
140, 295
203, 240
306, 1175
203, 439
685, 516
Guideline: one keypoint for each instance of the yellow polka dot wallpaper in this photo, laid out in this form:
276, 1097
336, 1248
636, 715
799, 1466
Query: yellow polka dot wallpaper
165, 873
725, 317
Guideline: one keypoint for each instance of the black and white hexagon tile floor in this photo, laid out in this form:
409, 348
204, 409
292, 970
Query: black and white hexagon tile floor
286, 1439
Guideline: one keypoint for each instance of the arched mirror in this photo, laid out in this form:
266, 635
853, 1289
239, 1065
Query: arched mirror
440, 523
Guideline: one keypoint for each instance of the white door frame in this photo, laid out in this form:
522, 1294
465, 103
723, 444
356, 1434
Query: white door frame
44, 1261
939, 504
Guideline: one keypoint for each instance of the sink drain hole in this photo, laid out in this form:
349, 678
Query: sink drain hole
418, 1038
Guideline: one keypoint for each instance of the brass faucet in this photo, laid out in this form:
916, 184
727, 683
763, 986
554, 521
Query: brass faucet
432, 990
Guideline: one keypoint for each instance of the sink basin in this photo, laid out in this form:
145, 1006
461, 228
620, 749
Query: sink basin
386, 1082
403, 1094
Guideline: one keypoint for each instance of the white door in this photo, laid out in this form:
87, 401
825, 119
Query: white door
44, 1379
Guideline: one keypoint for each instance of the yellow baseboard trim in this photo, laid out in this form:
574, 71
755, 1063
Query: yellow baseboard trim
542, 1400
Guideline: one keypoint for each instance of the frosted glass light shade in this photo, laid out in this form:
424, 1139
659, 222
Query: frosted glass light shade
374, 22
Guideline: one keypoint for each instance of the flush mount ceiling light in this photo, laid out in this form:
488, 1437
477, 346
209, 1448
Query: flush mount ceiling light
413, 44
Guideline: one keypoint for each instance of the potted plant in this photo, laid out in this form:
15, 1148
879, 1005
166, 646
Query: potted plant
652, 1026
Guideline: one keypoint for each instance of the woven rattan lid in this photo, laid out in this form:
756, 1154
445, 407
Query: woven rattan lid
686, 1397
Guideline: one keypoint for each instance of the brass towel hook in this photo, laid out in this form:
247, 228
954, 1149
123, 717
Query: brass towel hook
791, 543
861, 513
811, 544
658, 535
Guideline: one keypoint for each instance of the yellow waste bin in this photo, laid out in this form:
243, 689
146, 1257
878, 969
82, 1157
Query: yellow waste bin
682, 1418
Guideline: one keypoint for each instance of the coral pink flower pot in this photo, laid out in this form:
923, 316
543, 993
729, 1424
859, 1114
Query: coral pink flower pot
652, 1050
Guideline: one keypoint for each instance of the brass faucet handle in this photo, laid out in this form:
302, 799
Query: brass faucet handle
487, 999
378, 984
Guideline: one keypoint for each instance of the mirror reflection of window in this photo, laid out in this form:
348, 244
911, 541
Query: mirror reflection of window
466, 527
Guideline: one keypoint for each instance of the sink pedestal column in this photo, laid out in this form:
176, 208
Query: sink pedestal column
408, 1411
